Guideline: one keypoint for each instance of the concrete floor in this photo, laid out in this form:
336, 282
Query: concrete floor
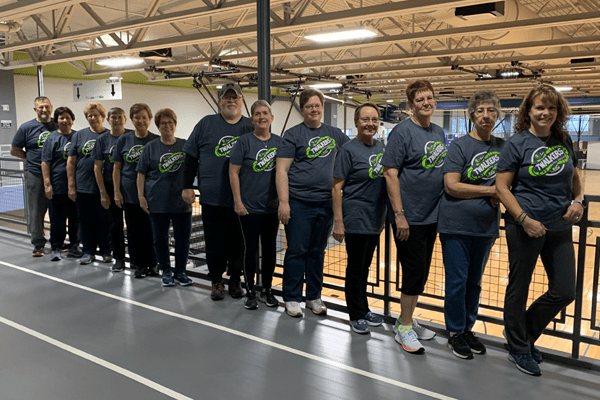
82, 332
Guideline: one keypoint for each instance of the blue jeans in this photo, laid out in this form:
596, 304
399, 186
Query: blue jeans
465, 258
182, 228
306, 232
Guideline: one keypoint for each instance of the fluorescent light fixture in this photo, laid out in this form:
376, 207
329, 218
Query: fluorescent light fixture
509, 74
326, 85
563, 88
390, 101
120, 62
342, 34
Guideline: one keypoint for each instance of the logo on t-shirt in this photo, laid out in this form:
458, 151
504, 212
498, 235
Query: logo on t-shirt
435, 154
225, 145
483, 166
110, 159
548, 160
65, 153
265, 160
320, 147
375, 169
133, 155
171, 162
42, 138
88, 147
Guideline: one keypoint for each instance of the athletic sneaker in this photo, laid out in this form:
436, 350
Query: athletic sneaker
317, 306
372, 319
107, 258
250, 303
474, 344
75, 252
55, 255
183, 279
422, 332
360, 326
292, 308
525, 363
167, 279
118, 266
459, 346
408, 339
140, 273
536, 354
87, 259
235, 289
38, 251
218, 291
268, 298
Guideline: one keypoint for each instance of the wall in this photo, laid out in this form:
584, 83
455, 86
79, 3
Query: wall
7, 98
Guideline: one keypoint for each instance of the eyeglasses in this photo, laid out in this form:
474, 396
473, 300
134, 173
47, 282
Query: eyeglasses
366, 120
313, 106
482, 111
165, 123
230, 98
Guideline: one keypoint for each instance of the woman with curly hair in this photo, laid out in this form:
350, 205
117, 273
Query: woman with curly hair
538, 183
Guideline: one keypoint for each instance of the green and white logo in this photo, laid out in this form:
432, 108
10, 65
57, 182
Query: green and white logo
110, 159
265, 160
483, 166
548, 160
88, 147
133, 155
435, 154
171, 162
65, 153
42, 138
320, 147
375, 167
225, 145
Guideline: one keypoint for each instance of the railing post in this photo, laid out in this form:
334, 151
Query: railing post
386, 277
581, 247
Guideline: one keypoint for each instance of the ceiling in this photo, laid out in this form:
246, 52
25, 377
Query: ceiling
543, 40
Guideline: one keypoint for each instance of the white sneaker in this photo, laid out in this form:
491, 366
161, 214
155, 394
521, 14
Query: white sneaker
421, 332
317, 306
292, 308
408, 340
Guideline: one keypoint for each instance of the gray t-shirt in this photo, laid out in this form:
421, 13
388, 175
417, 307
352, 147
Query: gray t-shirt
543, 182
211, 142
418, 153
31, 136
476, 161
257, 173
128, 151
163, 166
313, 150
82, 147
103, 151
364, 194
56, 152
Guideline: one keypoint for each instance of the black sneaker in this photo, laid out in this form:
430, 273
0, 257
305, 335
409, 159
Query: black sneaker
536, 354
183, 279
75, 252
235, 289
153, 271
250, 303
167, 279
459, 347
476, 346
525, 363
268, 298
218, 291
118, 266
38, 251
140, 273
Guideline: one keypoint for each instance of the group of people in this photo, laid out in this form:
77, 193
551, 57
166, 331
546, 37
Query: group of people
315, 180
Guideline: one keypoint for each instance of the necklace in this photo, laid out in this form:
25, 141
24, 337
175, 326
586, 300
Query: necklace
540, 138
168, 146
264, 141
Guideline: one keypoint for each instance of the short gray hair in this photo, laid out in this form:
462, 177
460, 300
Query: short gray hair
259, 103
483, 96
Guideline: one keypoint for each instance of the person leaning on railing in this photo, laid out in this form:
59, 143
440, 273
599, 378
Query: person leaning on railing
468, 220
359, 214
54, 171
538, 183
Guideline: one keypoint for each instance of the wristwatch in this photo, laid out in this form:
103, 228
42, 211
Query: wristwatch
580, 201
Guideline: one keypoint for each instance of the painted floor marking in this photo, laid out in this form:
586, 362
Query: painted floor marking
257, 339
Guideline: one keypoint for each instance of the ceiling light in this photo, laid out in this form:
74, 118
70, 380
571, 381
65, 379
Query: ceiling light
390, 101
343, 34
326, 85
509, 74
120, 62
563, 88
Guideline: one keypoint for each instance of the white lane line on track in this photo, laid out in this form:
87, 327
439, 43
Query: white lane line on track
257, 339
103, 363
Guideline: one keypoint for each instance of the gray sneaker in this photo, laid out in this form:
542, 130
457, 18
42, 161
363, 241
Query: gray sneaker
409, 342
292, 308
87, 259
75, 252
317, 306
118, 266
421, 332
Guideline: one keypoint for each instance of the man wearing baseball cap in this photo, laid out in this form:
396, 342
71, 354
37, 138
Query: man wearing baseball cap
207, 156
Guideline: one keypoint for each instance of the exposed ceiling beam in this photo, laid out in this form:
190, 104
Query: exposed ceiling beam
25, 8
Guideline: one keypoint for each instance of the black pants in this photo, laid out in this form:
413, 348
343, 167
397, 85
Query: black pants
265, 227
182, 227
93, 224
116, 224
525, 325
224, 243
139, 236
415, 257
360, 249
62, 209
